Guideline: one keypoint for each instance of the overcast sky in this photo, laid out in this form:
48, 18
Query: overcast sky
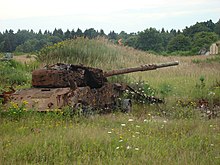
117, 15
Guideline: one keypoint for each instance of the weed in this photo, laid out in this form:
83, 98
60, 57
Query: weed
13, 73
200, 88
165, 89
15, 111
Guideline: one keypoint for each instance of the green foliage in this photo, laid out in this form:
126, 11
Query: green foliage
112, 35
150, 39
200, 89
217, 28
132, 41
15, 111
91, 33
12, 72
179, 43
79, 33
166, 37
58, 33
9, 42
79, 50
199, 27
142, 90
123, 35
204, 40
23, 35
165, 89
28, 46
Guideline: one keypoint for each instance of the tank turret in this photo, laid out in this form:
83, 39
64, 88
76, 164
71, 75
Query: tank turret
68, 75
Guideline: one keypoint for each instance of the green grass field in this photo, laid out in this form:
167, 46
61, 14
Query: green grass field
171, 133
109, 139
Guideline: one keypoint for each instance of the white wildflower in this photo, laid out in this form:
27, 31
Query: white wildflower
130, 120
145, 120
211, 93
123, 125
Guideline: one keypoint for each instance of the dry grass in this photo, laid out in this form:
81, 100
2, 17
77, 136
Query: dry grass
25, 58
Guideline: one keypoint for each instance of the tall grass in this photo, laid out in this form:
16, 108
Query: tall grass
81, 50
109, 139
13, 72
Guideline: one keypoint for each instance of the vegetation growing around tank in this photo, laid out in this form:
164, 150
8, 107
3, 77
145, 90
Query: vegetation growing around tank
180, 131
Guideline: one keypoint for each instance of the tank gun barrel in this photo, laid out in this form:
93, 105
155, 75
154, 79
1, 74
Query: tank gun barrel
140, 68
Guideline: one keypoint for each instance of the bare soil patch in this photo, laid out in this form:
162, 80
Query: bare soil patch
25, 58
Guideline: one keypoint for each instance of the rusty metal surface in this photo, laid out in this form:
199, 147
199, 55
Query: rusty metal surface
44, 99
68, 75
41, 99
141, 68
6, 95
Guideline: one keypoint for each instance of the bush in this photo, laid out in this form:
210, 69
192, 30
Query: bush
12, 72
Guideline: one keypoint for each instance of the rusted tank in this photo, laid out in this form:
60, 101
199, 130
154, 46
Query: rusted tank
60, 85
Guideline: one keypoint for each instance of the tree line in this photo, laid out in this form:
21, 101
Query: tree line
189, 41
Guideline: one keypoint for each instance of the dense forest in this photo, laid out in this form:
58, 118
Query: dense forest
188, 41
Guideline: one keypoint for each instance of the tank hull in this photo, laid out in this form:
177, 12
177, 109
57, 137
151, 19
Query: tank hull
50, 99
